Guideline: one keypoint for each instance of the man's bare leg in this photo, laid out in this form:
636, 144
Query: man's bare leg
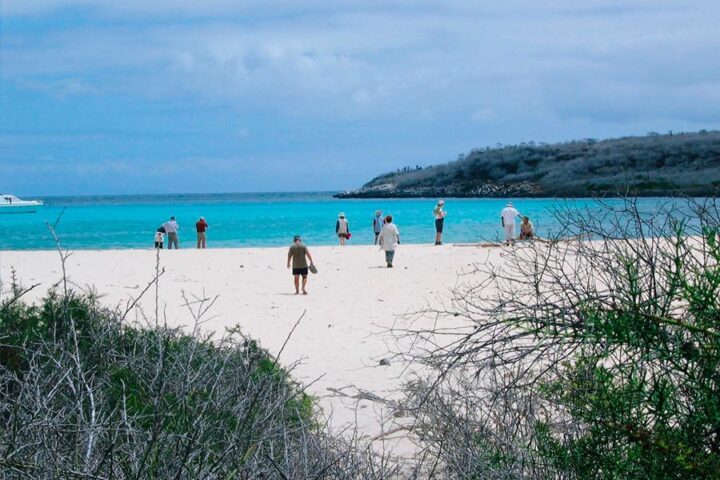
304, 283
297, 284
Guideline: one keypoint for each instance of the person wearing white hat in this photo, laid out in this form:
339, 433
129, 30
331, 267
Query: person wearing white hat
342, 228
507, 217
439, 215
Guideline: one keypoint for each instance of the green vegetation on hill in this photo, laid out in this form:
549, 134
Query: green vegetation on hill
653, 165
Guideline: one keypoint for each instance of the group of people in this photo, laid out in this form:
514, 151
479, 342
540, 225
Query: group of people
507, 218
387, 237
386, 233
171, 229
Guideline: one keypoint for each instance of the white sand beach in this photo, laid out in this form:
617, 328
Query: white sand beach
341, 338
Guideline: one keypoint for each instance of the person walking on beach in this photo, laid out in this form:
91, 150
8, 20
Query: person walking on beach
297, 257
378, 223
159, 238
389, 240
439, 215
201, 226
171, 229
342, 228
507, 217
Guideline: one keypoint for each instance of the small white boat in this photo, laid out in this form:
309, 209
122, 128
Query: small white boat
13, 204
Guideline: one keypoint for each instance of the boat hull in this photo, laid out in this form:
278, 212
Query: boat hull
10, 209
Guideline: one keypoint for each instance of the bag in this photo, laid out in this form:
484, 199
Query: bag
347, 237
312, 268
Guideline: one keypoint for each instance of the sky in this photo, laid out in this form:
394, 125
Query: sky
161, 96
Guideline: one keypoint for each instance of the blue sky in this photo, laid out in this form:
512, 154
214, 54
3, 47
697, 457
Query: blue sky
137, 96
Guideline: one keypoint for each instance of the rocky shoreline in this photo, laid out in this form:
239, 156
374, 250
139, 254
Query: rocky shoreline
522, 190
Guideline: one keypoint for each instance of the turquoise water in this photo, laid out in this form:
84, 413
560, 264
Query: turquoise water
271, 219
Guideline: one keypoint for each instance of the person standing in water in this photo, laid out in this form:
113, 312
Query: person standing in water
297, 257
389, 240
342, 228
201, 227
507, 217
171, 229
378, 223
439, 215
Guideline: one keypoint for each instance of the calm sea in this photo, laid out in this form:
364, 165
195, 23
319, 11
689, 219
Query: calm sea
266, 219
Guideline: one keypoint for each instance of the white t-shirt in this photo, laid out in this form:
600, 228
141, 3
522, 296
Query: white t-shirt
508, 215
171, 226
389, 237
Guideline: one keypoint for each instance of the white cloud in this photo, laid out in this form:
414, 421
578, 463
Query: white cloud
495, 63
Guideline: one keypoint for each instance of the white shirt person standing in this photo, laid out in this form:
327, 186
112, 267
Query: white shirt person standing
507, 217
171, 229
389, 240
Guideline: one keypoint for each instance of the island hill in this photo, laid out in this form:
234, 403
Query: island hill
652, 165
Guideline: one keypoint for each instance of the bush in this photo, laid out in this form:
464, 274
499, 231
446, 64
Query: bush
594, 358
85, 395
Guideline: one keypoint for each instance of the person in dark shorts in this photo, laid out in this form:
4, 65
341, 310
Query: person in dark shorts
159, 238
297, 257
439, 215
342, 228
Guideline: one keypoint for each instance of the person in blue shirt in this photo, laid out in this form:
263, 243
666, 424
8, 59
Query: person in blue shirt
378, 223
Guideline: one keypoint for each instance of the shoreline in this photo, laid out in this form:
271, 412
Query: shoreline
230, 249
273, 224
353, 195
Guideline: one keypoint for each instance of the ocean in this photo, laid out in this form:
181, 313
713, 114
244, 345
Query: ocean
266, 219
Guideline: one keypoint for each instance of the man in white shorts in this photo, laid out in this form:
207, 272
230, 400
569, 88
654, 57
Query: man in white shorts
507, 216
